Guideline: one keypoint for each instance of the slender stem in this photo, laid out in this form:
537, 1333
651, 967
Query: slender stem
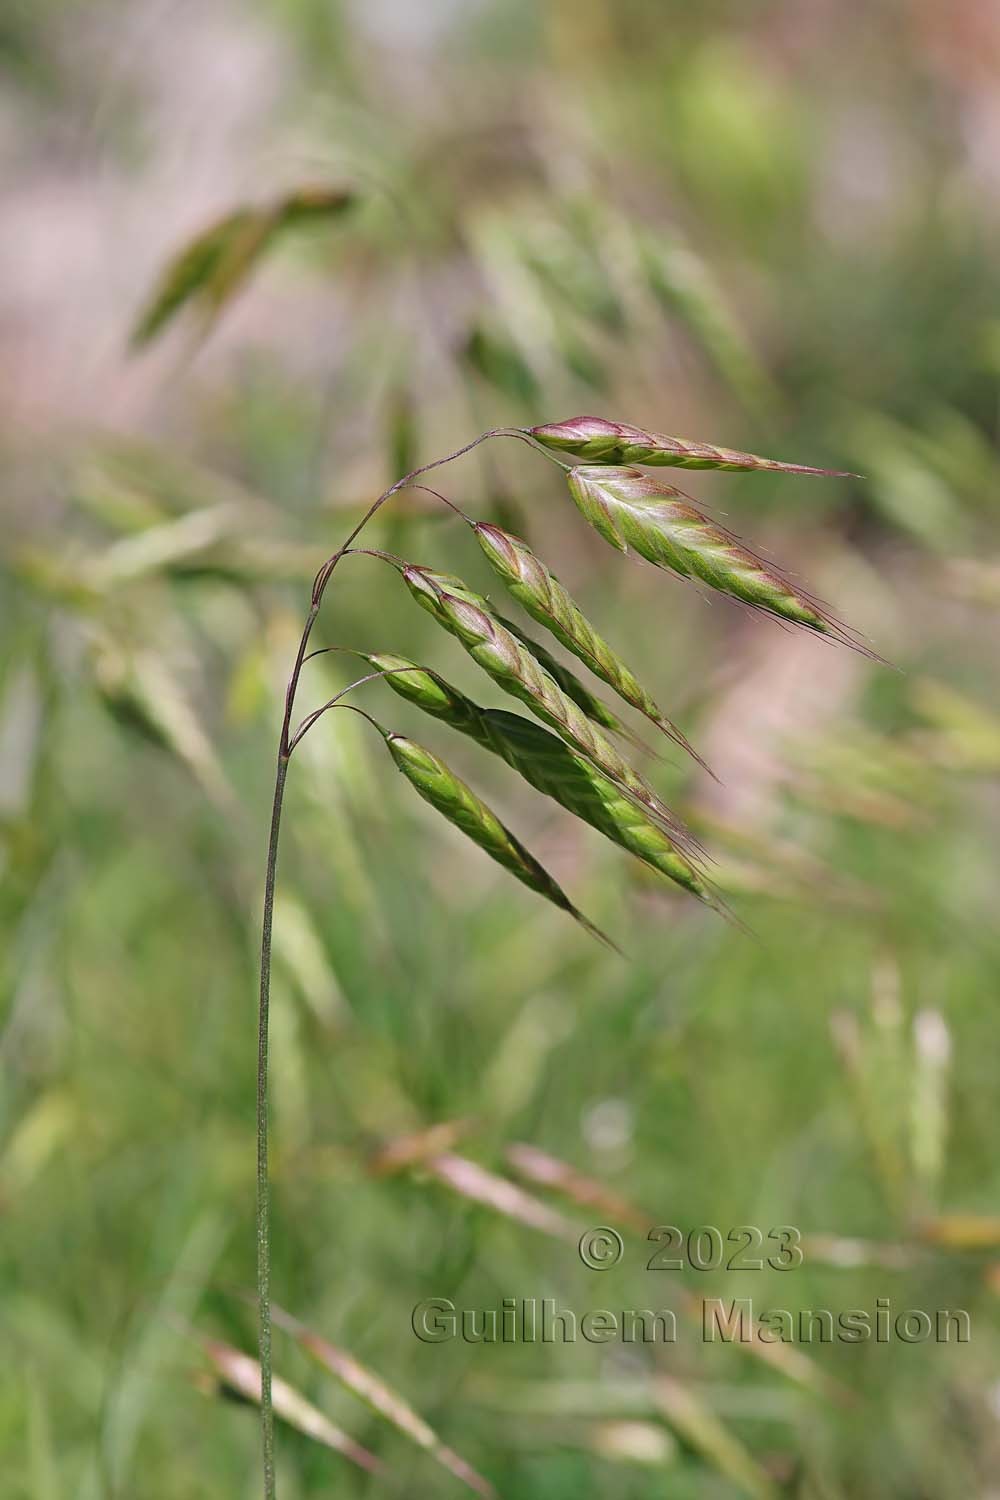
263, 1177
286, 745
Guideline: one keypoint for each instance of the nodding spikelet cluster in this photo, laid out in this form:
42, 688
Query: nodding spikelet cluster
540, 593
512, 667
637, 513
599, 441
549, 765
449, 794
578, 766
573, 686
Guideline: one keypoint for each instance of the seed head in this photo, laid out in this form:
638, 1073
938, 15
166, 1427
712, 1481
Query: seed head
540, 593
573, 686
549, 765
511, 665
632, 510
438, 785
432, 694
553, 768
600, 441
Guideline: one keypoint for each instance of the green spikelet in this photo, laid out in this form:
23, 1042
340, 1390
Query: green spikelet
599, 441
635, 512
549, 765
541, 594
511, 665
448, 793
574, 687
429, 692
554, 769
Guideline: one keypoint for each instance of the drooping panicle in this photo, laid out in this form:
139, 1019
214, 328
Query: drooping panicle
635, 512
449, 794
429, 691
511, 665
540, 593
573, 685
599, 441
551, 766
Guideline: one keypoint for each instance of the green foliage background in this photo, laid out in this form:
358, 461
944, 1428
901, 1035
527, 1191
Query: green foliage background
769, 226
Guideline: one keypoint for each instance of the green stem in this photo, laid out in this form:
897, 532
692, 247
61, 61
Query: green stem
263, 1180
286, 745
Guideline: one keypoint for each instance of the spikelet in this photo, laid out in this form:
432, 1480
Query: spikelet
635, 512
574, 782
454, 800
540, 593
599, 441
429, 692
549, 765
573, 686
512, 667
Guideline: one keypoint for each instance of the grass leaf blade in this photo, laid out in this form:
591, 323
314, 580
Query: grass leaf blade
215, 265
383, 1400
242, 1374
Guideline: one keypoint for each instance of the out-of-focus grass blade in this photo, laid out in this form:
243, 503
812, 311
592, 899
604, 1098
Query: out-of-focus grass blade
490, 353
974, 579
847, 1253
685, 287
632, 1443
143, 694
864, 775
965, 736
698, 1426
299, 948
929, 1098
383, 1400
628, 1396
190, 273
962, 1231
569, 271
214, 266
42, 1452
43, 1129
876, 1113
160, 547
242, 1374
133, 1397
549, 1171
410, 1150
472, 1181
903, 486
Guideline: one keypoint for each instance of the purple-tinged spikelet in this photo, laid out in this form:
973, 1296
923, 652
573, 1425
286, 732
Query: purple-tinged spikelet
599, 441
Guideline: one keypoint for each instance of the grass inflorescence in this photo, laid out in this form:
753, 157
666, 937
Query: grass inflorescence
577, 766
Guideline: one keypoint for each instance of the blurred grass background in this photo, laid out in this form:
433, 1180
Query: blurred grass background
768, 225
